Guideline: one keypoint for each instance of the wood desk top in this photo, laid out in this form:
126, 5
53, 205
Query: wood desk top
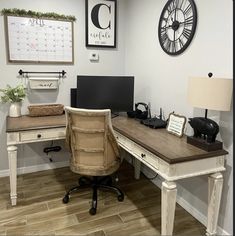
32, 123
169, 147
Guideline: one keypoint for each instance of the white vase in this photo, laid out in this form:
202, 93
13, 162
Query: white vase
15, 109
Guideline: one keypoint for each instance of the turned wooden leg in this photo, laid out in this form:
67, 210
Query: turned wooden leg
137, 165
12, 159
169, 192
215, 185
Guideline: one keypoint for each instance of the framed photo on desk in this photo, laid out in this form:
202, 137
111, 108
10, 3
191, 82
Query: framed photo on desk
176, 124
101, 23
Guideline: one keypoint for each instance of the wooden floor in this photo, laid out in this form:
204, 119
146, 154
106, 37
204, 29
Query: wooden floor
40, 210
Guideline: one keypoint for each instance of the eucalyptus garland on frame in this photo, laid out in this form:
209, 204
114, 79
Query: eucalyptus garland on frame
49, 15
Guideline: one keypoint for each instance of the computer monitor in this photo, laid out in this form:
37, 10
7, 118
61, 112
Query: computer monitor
105, 92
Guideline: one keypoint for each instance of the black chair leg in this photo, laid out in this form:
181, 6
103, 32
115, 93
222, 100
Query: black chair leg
115, 189
67, 195
83, 182
94, 201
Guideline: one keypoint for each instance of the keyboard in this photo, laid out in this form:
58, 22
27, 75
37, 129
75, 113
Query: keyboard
154, 123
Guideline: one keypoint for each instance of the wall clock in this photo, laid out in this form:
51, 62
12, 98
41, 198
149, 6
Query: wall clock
177, 25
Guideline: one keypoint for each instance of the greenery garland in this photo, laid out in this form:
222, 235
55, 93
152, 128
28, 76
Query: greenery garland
50, 15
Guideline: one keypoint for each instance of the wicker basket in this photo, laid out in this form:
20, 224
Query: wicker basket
46, 110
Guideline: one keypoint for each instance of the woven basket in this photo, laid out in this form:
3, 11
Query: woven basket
46, 110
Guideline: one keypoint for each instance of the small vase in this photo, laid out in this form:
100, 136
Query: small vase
15, 109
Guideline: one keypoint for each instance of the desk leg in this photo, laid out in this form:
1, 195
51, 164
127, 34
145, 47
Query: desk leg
12, 158
169, 192
215, 184
137, 165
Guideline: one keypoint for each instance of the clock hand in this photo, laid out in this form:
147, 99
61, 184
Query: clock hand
167, 27
185, 22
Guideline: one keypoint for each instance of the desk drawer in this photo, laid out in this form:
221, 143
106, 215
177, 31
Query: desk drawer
146, 156
139, 152
42, 134
124, 142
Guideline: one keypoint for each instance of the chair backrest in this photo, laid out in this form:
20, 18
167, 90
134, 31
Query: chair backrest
93, 146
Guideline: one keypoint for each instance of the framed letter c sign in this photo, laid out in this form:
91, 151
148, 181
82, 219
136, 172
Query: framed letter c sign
101, 23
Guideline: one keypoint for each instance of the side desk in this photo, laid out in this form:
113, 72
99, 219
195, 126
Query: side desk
172, 158
26, 129
167, 155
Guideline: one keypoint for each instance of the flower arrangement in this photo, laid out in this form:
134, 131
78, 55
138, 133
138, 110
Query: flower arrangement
13, 94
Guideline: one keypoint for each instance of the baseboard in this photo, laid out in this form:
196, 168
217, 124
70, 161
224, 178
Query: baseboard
186, 205
31, 169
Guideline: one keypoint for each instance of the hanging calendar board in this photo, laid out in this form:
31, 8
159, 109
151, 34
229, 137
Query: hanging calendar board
39, 40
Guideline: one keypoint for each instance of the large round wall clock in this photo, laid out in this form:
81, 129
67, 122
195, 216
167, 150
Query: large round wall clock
177, 25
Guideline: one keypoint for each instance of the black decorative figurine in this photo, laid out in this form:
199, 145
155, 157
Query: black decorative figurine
206, 127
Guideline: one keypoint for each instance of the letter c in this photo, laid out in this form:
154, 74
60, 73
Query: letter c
95, 16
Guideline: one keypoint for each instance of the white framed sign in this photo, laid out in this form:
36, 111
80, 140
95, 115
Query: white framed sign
38, 40
176, 124
43, 83
101, 23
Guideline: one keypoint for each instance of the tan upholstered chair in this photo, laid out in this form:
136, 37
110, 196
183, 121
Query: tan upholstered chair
94, 150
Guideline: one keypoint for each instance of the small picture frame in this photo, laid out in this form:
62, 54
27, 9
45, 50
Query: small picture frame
176, 124
101, 23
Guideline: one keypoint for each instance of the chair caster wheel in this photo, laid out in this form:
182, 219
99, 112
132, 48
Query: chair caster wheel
92, 211
120, 198
65, 199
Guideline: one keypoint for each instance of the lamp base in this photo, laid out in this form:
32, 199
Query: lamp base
203, 144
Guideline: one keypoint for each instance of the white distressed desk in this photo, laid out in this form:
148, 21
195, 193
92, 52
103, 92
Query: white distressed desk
25, 129
169, 156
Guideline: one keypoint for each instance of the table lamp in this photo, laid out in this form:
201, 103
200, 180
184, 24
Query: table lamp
208, 93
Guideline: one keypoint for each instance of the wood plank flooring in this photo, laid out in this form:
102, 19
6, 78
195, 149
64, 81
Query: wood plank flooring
40, 210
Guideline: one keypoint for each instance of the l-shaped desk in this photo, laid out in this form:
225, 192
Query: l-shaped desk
169, 156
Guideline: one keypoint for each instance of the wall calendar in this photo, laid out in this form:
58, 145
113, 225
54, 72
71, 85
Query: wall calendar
39, 40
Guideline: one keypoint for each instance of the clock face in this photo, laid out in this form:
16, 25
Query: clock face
177, 25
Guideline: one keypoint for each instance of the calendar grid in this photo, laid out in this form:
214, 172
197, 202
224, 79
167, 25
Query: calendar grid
39, 40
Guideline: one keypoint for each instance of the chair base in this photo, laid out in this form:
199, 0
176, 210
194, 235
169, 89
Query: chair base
95, 183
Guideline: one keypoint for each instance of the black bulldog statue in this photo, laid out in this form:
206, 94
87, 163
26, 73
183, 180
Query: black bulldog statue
204, 126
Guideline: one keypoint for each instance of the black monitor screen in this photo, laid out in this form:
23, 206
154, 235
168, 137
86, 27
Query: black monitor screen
102, 92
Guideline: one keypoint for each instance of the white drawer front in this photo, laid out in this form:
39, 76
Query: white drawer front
124, 142
42, 134
139, 152
146, 157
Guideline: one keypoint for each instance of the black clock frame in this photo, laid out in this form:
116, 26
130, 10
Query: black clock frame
175, 25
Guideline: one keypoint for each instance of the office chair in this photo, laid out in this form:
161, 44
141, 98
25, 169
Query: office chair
94, 151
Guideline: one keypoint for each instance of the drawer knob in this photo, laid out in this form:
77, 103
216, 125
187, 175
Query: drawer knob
39, 135
143, 155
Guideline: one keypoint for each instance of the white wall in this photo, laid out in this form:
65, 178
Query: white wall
162, 79
111, 63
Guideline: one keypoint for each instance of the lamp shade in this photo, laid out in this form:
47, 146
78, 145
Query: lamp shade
210, 93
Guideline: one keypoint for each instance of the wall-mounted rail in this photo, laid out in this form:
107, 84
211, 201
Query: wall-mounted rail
61, 73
